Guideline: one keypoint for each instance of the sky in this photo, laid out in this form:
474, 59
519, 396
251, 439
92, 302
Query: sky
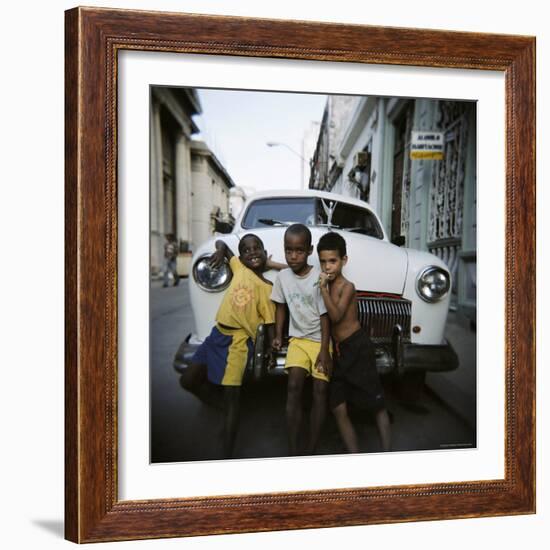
238, 124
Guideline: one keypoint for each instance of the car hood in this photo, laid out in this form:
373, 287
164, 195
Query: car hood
373, 264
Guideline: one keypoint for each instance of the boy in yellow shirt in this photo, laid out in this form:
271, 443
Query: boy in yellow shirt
222, 357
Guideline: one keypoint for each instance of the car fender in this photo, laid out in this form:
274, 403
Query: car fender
430, 318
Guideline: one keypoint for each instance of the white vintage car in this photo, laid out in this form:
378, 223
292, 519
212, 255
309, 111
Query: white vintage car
403, 294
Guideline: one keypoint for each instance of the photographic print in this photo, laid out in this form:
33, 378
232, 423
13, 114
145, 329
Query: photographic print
357, 270
313, 274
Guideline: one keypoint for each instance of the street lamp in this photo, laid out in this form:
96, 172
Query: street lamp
277, 144
280, 144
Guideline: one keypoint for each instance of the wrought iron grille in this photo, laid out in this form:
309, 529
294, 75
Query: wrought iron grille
447, 186
446, 207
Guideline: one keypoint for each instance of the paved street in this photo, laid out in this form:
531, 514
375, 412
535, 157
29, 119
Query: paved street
184, 429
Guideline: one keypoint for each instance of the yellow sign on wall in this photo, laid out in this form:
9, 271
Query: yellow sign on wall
427, 146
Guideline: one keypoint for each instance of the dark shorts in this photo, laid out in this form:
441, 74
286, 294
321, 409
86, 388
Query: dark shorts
355, 378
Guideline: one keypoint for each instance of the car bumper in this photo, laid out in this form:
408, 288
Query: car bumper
185, 352
261, 363
429, 358
395, 357
409, 357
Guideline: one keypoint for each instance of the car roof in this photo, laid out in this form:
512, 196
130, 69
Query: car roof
308, 193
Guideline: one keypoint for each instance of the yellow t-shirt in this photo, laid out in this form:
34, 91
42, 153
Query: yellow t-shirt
247, 302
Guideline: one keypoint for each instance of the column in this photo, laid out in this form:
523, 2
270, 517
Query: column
202, 201
156, 206
183, 188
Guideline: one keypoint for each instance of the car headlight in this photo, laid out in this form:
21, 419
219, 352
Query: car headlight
433, 284
209, 278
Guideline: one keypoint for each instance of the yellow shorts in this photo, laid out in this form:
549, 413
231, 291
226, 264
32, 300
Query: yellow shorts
303, 353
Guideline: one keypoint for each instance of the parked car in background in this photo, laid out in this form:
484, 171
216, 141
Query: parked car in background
403, 294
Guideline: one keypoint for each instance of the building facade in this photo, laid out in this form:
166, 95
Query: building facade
325, 161
210, 193
430, 203
309, 142
189, 188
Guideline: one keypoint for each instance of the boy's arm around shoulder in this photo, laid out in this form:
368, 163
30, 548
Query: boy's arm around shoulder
270, 264
339, 304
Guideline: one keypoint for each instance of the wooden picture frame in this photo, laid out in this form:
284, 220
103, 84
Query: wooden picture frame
94, 37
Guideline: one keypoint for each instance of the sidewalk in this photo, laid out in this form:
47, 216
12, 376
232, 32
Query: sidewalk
458, 388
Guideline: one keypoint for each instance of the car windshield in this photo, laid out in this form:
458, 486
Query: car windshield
351, 218
274, 212
280, 211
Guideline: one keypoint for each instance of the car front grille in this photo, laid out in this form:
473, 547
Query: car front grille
379, 314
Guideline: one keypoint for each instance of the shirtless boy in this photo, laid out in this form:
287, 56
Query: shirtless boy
355, 379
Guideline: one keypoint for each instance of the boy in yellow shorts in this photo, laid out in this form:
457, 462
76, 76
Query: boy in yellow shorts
309, 330
222, 357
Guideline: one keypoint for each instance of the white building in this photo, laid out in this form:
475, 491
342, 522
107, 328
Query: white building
237, 198
211, 186
189, 186
336, 115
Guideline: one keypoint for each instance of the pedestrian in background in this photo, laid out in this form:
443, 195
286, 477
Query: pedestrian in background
170, 257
